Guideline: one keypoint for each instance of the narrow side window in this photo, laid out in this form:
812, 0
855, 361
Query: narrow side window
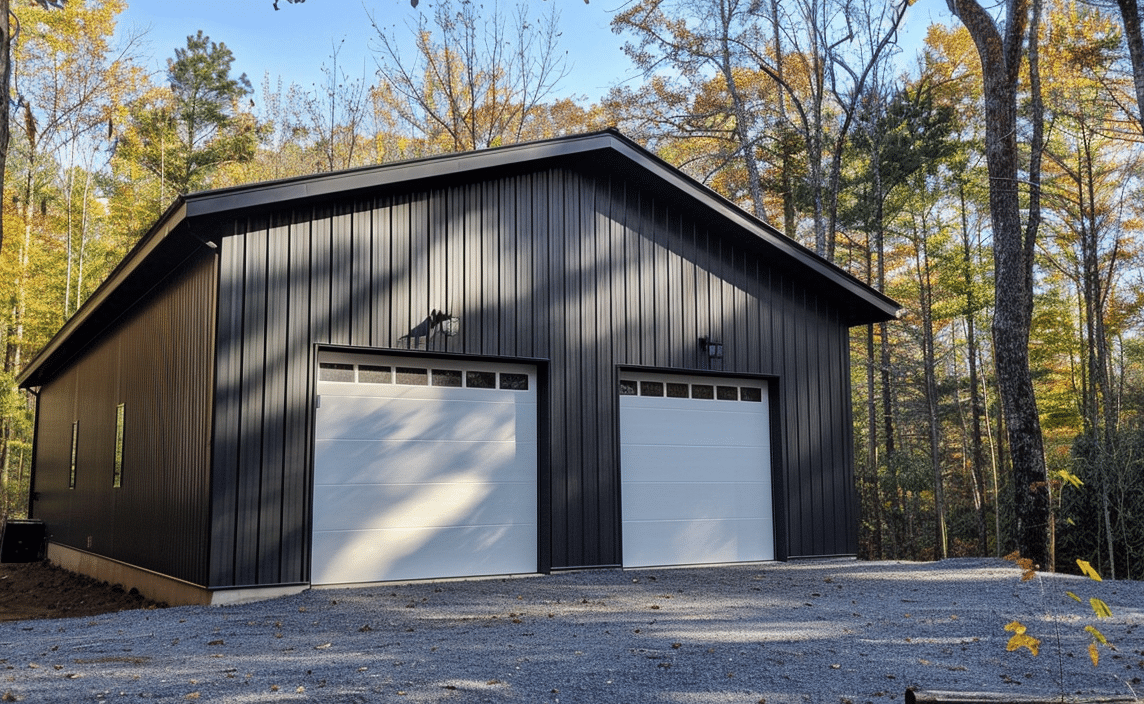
120, 417
74, 454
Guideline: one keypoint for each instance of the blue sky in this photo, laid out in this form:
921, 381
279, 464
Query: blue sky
294, 41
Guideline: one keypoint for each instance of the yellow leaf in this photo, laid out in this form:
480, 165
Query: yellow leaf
1074, 597
1088, 571
1093, 654
1017, 627
1020, 640
1100, 608
1096, 634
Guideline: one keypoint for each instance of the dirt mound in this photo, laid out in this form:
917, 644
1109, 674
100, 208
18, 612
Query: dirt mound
35, 590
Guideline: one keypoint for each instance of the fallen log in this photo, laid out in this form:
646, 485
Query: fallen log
939, 697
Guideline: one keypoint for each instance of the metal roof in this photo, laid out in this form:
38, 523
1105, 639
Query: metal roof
175, 237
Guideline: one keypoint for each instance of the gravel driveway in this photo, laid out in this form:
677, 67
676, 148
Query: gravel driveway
821, 631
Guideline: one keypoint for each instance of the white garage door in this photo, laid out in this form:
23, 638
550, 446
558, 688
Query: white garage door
423, 469
696, 471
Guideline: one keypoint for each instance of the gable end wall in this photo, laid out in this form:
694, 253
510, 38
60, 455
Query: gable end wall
592, 273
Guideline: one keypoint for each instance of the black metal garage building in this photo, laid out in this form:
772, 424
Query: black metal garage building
180, 436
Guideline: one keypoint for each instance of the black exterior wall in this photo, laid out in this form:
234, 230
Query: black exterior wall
589, 272
584, 255
157, 361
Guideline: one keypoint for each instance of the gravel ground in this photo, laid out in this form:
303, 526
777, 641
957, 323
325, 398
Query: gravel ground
821, 631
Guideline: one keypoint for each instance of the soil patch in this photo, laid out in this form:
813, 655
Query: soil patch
36, 590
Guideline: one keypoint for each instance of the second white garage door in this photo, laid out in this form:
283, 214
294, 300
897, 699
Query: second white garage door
695, 470
423, 469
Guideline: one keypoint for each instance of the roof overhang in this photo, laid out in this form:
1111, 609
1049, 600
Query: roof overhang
172, 239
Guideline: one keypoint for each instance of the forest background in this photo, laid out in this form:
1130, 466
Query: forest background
806, 113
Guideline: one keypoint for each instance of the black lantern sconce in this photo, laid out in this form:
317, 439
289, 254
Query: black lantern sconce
713, 348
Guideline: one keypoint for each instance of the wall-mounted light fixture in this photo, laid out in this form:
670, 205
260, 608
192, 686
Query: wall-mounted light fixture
447, 324
713, 348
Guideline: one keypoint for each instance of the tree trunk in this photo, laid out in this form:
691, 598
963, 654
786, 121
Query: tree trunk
976, 407
1012, 259
5, 95
1130, 15
925, 302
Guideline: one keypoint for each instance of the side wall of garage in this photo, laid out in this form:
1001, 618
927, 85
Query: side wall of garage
589, 270
148, 381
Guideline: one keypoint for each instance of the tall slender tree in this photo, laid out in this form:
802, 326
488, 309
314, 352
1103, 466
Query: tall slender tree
1001, 48
7, 38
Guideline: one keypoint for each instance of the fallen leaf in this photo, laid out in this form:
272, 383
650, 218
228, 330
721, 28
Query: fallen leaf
1021, 640
1088, 571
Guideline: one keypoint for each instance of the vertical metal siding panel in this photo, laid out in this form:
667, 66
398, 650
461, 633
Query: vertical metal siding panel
274, 431
661, 285
341, 275
820, 451
646, 329
809, 528
677, 347
586, 336
400, 272
253, 395
689, 314
604, 461
745, 346
571, 529
453, 232
715, 311
490, 267
703, 292
474, 268
437, 237
361, 281
847, 392
320, 272
836, 498
751, 305
297, 482
634, 284
506, 256
381, 299
228, 411
843, 487
418, 234
525, 302
622, 255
